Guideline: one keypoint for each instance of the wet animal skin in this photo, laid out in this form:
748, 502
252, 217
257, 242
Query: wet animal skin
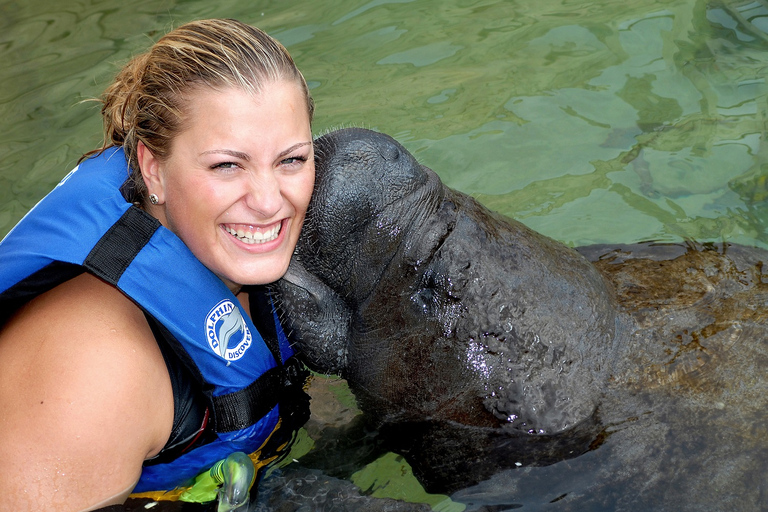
479, 346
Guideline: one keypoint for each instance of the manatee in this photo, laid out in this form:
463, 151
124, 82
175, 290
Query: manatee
497, 360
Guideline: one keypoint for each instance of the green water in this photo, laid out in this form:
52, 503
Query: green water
590, 121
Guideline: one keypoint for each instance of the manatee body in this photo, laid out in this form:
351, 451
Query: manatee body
489, 354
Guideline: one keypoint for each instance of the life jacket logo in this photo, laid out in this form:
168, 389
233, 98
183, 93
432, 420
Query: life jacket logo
226, 330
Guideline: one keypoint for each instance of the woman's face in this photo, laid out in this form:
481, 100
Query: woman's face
237, 181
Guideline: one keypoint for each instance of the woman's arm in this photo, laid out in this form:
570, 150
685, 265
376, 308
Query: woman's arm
85, 397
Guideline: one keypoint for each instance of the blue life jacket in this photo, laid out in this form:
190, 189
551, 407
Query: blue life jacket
85, 224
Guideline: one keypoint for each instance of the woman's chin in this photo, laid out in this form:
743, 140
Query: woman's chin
264, 271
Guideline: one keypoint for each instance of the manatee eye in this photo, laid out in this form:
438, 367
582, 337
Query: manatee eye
424, 299
427, 297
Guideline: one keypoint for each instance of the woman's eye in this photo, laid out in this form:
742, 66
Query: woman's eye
225, 166
294, 160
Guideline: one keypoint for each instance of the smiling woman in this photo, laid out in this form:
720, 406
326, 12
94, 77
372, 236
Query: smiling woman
236, 185
160, 355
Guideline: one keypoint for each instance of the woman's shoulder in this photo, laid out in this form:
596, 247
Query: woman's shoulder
86, 390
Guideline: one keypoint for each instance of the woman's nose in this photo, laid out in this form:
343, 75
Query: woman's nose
263, 193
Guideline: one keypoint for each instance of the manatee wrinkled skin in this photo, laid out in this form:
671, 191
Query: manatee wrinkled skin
480, 346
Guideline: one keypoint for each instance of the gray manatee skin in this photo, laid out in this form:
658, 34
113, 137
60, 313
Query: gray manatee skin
482, 348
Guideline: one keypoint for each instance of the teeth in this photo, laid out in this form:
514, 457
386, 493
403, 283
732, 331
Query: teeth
254, 237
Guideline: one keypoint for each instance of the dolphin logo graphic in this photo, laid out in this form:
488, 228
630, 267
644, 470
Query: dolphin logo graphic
222, 323
233, 323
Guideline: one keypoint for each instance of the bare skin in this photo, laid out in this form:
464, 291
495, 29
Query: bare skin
85, 395
86, 398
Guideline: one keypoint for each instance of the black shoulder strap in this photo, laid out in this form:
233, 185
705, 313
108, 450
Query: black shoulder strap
117, 248
242, 408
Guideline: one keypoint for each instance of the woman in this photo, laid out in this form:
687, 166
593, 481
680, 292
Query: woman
129, 347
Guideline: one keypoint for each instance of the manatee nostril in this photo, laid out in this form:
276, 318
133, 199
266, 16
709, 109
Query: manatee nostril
389, 152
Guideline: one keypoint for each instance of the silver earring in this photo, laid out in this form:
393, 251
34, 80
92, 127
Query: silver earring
153, 199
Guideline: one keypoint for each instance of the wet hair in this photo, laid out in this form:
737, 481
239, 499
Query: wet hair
146, 102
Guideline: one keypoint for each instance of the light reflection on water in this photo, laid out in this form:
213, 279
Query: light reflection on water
590, 122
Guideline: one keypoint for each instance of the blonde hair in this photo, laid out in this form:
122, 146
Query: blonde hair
146, 100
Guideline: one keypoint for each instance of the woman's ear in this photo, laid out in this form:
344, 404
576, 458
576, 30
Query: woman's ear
149, 166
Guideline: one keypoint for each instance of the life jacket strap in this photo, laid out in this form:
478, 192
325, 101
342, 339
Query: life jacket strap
242, 408
117, 248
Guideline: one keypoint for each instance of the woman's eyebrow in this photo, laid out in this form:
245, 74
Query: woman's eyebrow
230, 152
294, 148
245, 156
